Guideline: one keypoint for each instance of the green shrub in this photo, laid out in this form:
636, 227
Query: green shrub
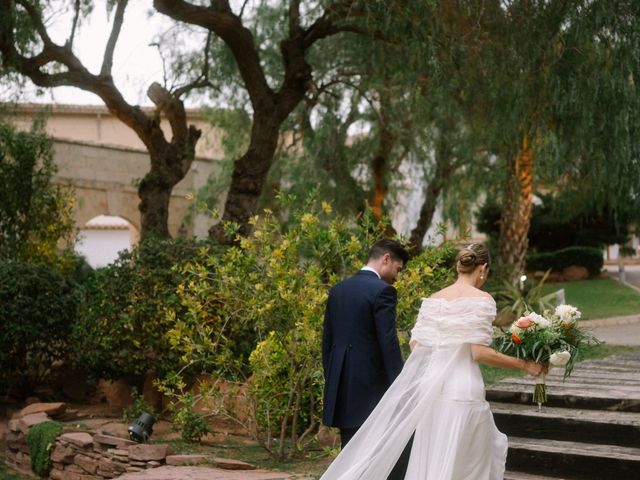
38, 308
190, 424
137, 407
589, 257
254, 314
41, 440
35, 213
122, 331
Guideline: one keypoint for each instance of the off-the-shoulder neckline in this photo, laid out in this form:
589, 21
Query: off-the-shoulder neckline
450, 300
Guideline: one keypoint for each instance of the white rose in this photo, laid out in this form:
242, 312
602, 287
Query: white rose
560, 359
567, 313
539, 320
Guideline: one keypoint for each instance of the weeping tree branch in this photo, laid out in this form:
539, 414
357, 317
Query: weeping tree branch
74, 25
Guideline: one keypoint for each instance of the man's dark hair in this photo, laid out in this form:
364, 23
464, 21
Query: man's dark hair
393, 248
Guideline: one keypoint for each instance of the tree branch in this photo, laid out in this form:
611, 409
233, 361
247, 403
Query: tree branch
220, 20
76, 17
294, 18
107, 61
36, 18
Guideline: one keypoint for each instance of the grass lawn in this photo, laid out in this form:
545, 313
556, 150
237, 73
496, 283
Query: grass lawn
599, 298
493, 374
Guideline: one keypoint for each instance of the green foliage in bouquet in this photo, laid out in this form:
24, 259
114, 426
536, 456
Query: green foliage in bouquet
253, 314
554, 338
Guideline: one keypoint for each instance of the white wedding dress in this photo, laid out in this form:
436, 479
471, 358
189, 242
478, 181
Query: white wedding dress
440, 396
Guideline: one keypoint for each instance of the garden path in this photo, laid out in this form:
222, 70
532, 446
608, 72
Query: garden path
208, 473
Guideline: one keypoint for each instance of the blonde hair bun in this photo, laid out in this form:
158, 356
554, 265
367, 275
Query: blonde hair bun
469, 258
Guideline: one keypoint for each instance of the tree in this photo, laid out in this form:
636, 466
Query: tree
549, 89
35, 214
26, 47
303, 26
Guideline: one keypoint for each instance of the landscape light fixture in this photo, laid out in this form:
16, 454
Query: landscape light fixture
140, 430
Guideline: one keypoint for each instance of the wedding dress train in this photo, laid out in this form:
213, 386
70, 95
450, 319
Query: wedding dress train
439, 395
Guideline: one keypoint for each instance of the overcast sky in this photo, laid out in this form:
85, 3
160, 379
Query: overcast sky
136, 63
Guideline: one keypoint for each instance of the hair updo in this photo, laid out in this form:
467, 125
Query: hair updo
472, 256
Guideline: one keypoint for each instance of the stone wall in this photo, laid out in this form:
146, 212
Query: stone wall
82, 455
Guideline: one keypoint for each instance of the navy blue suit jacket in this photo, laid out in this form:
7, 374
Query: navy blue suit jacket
360, 350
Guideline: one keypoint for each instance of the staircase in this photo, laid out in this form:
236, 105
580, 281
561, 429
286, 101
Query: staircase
589, 429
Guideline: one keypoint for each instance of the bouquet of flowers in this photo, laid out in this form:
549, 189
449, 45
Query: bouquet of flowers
553, 337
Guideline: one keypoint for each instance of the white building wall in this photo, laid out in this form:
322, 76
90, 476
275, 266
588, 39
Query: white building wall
101, 247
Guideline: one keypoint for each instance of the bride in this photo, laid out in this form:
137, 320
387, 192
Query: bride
439, 396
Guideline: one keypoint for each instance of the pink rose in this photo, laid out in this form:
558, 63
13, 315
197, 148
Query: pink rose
524, 322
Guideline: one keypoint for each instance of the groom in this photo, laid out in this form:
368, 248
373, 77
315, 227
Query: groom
360, 350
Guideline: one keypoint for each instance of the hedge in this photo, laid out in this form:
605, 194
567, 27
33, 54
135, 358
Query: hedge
589, 257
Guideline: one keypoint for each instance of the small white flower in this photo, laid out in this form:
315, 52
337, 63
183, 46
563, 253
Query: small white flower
515, 329
567, 313
560, 359
539, 320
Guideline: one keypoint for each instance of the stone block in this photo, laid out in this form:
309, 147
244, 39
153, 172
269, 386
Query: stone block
88, 464
80, 439
146, 452
112, 441
53, 409
62, 454
28, 421
56, 474
181, 460
228, 464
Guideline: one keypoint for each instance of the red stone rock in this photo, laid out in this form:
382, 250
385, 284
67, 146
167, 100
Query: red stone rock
63, 454
88, 464
51, 409
228, 464
28, 421
56, 474
180, 460
81, 439
145, 452
112, 441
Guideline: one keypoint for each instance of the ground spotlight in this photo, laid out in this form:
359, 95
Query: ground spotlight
140, 430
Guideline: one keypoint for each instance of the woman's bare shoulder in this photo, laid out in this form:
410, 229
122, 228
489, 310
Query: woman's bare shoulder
452, 292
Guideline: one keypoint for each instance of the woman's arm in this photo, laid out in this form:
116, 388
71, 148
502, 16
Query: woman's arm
487, 355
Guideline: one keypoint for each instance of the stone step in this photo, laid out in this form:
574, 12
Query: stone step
527, 476
613, 397
590, 426
573, 460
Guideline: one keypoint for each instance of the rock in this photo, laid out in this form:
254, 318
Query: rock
81, 439
63, 454
146, 452
51, 409
88, 464
111, 441
575, 272
180, 460
228, 464
28, 421
14, 425
56, 474
116, 393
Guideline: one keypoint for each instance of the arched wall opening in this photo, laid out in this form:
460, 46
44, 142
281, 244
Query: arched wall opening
103, 237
